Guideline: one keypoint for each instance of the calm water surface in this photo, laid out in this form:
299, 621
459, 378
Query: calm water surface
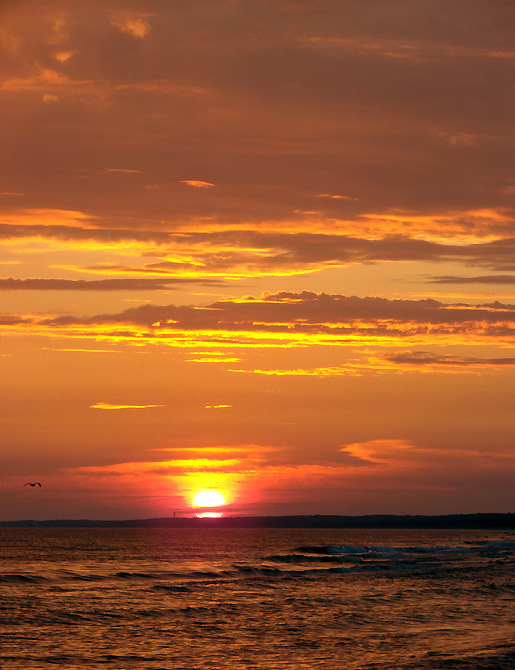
257, 599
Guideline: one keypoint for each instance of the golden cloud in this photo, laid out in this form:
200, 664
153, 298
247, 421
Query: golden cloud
196, 183
135, 25
108, 406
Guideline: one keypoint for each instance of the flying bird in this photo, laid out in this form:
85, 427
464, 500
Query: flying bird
32, 484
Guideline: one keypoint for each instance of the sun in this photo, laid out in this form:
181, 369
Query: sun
208, 499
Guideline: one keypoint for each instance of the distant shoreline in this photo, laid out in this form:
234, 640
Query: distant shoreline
374, 521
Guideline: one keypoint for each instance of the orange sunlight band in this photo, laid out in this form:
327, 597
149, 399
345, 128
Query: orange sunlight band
392, 461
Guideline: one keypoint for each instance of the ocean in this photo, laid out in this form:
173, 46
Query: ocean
261, 599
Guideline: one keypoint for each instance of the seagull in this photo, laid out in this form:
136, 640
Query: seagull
32, 484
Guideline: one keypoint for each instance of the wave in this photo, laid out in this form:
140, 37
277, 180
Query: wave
502, 659
172, 588
304, 558
81, 577
258, 570
306, 561
22, 579
386, 558
483, 547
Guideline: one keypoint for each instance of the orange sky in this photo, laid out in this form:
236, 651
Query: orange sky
259, 248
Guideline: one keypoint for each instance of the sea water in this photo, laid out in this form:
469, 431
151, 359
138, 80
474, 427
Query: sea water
257, 599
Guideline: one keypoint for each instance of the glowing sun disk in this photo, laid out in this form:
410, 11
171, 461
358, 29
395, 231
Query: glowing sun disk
208, 499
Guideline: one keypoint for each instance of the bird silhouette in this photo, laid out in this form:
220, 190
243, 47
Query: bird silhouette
32, 484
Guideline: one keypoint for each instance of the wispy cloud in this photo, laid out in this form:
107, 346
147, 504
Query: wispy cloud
126, 284
122, 170
334, 196
240, 253
481, 279
401, 362
197, 183
426, 358
136, 25
109, 406
348, 369
80, 350
42, 221
213, 357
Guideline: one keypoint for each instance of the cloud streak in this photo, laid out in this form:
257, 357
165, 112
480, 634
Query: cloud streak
109, 406
415, 359
134, 284
197, 184
481, 279
245, 253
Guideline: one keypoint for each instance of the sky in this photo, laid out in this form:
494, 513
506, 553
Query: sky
259, 249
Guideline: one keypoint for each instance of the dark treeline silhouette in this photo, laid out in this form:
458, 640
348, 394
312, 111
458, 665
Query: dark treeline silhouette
458, 521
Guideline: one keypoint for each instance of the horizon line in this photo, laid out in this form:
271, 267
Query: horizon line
504, 520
